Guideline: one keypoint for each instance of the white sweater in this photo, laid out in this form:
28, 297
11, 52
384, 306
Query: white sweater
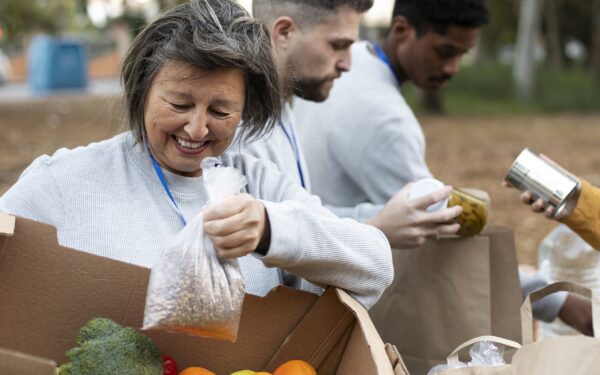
106, 199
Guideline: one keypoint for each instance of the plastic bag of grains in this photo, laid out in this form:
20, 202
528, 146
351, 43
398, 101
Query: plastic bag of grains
191, 290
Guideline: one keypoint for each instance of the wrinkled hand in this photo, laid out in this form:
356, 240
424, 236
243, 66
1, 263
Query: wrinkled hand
406, 223
236, 226
577, 313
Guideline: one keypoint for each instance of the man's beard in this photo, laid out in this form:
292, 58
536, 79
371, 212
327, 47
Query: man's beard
312, 89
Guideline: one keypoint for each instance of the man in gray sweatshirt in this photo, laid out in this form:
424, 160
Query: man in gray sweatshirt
312, 41
364, 143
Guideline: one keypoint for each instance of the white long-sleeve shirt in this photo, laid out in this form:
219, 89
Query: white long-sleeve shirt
106, 199
363, 143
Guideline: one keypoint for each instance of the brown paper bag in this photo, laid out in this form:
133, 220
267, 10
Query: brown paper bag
448, 291
563, 355
568, 355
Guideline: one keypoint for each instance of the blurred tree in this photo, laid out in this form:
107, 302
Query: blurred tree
528, 32
595, 55
133, 20
20, 17
553, 33
432, 102
575, 21
166, 4
501, 30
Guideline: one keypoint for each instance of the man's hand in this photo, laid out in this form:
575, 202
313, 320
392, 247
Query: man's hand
406, 222
236, 226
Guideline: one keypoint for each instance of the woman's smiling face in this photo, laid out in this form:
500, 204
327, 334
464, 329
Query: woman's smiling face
192, 113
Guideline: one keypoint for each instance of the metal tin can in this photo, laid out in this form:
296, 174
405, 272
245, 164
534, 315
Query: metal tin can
546, 181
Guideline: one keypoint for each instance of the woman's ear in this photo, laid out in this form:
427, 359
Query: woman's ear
401, 30
282, 30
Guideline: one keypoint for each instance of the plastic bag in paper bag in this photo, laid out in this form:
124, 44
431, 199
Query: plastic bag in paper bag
191, 290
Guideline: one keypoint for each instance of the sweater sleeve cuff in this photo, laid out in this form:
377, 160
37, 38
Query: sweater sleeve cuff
285, 235
584, 219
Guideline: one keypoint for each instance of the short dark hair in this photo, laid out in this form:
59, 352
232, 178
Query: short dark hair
438, 15
305, 12
213, 35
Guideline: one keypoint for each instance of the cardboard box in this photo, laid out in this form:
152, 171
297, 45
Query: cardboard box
47, 292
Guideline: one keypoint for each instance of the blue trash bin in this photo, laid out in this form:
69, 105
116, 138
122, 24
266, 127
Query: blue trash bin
56, 64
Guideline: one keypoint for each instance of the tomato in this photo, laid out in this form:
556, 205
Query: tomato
169, 365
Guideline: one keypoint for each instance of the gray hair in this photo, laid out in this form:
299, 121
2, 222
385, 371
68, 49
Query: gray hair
210, 34
307, 13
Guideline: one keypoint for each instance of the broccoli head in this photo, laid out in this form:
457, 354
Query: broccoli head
107, 348
96, 328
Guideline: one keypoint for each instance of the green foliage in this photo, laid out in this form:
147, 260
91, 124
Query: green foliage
166, 4
18, 17
107, 348
502, 29
487, 88
135, 21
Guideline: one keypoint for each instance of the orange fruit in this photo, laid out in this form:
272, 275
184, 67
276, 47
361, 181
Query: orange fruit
262, 373
295, 367
196, 371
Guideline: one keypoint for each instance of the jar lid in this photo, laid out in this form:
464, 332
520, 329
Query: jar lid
428, 186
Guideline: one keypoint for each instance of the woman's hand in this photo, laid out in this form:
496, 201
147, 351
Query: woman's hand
236, 226
406, 222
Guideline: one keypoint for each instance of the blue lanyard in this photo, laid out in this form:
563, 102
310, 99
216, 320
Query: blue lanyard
383, 57
292, 139
163, 180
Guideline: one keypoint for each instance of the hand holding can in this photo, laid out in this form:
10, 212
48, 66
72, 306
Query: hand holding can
545, 181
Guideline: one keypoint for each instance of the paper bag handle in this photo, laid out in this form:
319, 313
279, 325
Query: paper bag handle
7, 225
453, 357
561, 286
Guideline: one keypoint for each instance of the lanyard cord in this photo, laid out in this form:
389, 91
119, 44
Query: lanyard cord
383, 57
163, 181
292, 139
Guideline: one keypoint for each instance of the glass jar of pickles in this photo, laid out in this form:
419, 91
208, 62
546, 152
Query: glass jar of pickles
475, 212
474, 217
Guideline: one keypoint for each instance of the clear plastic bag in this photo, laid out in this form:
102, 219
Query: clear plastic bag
484, 353
191, 290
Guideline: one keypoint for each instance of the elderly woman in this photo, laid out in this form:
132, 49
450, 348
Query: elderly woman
190, 78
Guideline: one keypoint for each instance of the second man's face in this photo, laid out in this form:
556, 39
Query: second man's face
432, 59
321, 54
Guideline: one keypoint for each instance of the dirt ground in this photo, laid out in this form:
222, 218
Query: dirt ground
467, 152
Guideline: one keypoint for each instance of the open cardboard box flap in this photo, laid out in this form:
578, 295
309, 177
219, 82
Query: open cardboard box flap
47, 292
